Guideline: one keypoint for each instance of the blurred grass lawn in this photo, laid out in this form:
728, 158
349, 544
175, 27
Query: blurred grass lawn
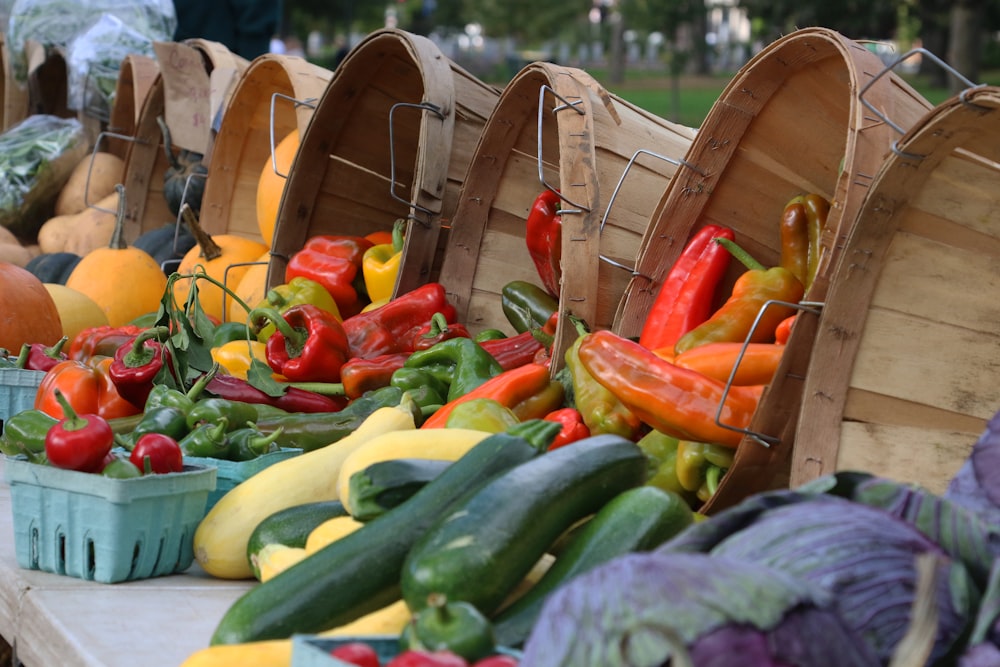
689, 100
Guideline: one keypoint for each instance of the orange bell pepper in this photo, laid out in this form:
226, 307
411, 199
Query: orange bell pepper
510, 388
87, 387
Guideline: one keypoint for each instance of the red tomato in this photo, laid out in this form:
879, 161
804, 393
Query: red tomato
162, 451
414, 658
357, 653
497, 661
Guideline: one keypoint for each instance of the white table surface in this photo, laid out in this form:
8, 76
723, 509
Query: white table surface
59, 621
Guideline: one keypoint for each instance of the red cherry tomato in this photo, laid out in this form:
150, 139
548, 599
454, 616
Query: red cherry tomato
357, 653
162, 452
497, 661
414, 658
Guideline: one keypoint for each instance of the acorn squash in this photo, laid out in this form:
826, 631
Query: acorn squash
185, 170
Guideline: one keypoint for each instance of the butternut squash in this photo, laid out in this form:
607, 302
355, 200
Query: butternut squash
79, 233
12, 250
104, 171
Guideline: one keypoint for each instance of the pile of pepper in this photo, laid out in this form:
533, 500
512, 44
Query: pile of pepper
316, 357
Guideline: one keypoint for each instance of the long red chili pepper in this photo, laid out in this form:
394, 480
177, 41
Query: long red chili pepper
685, 298
543, 234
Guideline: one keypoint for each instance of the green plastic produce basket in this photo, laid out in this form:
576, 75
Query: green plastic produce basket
101, 529
314, 651
231, 473
17, 390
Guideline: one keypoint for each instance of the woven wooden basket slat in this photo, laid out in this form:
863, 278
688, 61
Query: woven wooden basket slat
389, 139
588, 138
135, 78
790, 122
903, 375
290, 86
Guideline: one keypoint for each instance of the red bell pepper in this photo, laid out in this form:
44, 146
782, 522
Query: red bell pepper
543, 233
78, 441
101, 341
437, 330
41, 357
391, 328
335, 263
310, 344
137, 363
685, 298
573, 428
88, 388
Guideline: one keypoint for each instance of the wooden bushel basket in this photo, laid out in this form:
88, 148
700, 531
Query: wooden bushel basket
783, 126
275, 95
15, 94
135, 78
904, 371
556, 127
391, 138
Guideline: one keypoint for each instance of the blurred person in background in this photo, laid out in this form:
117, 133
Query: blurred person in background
245, 27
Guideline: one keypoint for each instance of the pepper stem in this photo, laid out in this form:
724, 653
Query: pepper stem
294, 338
199, 386
398, 230
118, 235
745, 258
71, 420
438, 325
141, 355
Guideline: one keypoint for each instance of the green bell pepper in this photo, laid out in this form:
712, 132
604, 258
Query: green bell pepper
24, 433
460, 362
700, 466
296, 291
207, 440
309, 431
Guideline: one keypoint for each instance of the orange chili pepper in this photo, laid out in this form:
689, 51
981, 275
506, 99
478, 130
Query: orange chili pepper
671, 399
510, 388
784, 330
716, 360
87, 387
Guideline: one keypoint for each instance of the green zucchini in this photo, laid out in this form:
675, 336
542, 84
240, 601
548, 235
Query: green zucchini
386, 484
359, 573
638, 519
484, 547
290, 527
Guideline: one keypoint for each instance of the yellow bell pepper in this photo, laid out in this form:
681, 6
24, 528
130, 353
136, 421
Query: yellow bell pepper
235, 356
700, 465
380, 264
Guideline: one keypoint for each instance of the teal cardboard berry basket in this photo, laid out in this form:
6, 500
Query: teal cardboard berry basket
101, 529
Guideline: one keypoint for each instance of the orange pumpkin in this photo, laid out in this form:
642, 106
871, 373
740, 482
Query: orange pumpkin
271, 185
252, 288
27, 312
224, 258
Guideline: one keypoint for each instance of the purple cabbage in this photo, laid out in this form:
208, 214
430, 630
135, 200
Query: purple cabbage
862, 555
977, 483
636, 611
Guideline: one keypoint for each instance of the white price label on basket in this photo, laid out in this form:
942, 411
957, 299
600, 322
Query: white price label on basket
187, 95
